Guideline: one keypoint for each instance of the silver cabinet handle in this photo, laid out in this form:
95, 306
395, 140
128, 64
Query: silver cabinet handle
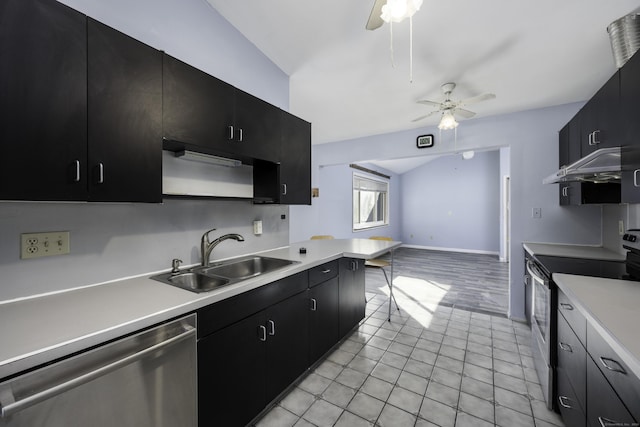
526, 279
565, 347
262, 333
314, 304
272, 327
606, 362
240, 135
100, 173
590, 138
566, 306
595, 140
606, 422
77, 178
328, 270
565, 191
284, 189
9, 409
635, 178
231, 134
563, 400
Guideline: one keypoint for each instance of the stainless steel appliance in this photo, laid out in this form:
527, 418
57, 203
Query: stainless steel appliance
147, 379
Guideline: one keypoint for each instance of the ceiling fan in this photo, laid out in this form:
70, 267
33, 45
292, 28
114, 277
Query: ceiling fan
449, 108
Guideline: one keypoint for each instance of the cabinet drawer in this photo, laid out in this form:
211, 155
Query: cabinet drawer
604, 407
621, 378
224, 313
570, 408
574, 318
572, 360
323, 273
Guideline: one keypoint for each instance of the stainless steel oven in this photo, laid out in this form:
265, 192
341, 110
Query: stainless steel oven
542, 326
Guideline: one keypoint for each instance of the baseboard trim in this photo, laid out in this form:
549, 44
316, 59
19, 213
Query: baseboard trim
437, 248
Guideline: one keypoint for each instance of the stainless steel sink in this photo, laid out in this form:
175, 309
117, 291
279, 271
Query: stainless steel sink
244, 268
205, 279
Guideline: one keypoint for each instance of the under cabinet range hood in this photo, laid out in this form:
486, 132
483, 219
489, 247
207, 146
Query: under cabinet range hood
603, 165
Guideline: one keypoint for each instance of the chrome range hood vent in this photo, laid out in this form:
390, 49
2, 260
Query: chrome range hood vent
602, 165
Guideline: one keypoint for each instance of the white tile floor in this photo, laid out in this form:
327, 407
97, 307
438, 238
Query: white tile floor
429, 366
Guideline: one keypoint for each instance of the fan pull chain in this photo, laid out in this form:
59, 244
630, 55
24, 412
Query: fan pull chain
393, 63
411, 49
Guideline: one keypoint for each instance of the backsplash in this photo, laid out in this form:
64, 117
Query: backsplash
114, 240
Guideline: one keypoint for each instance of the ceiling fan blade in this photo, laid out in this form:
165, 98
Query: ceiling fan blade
464, 113
427, 102
375, 21
425, 116
478, 98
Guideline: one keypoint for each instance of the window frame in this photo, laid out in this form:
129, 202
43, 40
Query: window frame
363, 226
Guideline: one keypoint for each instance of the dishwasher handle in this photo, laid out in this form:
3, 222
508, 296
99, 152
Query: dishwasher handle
11, 408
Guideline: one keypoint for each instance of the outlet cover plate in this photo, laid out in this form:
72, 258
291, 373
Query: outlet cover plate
36, 245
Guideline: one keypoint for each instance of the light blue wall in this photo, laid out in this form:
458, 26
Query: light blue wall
110, 241
533, 140
453, 204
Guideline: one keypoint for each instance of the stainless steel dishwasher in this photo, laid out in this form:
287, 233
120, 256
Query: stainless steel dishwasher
147, 379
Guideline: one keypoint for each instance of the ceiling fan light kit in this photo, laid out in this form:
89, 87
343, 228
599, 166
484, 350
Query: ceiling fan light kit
447, 121
399, 10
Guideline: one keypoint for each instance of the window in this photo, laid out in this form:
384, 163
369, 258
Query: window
370, 202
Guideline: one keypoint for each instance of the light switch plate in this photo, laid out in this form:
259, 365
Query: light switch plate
536, 213
36, 245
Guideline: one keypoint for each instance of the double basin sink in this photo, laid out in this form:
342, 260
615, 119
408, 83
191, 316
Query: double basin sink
220, 274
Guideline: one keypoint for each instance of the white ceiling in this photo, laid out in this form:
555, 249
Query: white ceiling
531, 54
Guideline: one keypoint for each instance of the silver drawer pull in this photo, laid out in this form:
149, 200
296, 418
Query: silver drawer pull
566, 306
635, 178
565, 347
563, 402
231, 134
77, 178
328, 270
606, 362
263, 333
272, 327
606, 422
100, 173
314, 304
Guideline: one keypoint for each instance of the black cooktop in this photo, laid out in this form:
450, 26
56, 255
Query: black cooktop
583, 267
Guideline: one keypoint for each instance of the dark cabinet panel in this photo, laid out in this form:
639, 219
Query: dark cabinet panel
125, 117
43, 101
323, 318
572, 360
630, 116
231, 380
570, 409
295, 159
323, 272
600, 127
287, 343
258, 127
603, 405
351, 294
197, 108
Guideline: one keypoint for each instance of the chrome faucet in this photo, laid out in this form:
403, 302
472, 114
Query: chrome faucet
206, 246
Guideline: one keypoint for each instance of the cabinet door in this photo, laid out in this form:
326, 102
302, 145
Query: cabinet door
43, 101
351, 294
630, 96
323, 318
571, 411
231, 373
295, 161
125, 117
600, 118
258, 127
287, 343
197, 108
603, 405
572, 361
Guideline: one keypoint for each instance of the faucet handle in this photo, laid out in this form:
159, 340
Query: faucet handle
175, 265
205, 236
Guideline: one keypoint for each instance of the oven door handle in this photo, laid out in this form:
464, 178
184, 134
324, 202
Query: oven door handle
535, 273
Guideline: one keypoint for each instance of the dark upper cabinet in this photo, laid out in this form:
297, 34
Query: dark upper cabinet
197, 108
569, 192
125, 117
43, 101
599, 118
630, 97
295, 161
210, 115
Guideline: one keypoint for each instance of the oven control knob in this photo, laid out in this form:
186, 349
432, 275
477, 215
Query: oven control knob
626, 236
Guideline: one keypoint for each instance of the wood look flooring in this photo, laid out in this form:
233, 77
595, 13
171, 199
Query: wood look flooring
474, 282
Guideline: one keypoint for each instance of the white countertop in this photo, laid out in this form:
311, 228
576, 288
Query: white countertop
611, 307
38, 330
573, 251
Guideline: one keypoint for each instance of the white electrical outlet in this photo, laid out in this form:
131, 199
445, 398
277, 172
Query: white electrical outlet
257, 227
621, 227
36, 245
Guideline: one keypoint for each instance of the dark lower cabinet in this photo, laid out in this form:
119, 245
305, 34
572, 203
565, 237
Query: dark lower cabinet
43, 101
570, 409
351, 294
125, 117
324, 320
604, 407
